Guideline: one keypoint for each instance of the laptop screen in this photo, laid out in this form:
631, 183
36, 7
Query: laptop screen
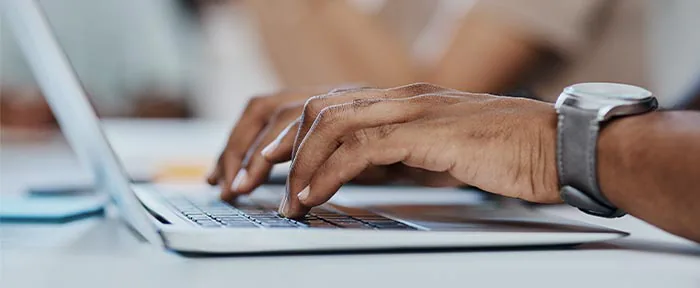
69, 103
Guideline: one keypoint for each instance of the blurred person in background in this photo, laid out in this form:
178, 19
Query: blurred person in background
494, 46
135, 58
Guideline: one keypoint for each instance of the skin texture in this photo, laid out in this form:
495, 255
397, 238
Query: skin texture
647, 164
455, 135
272, 121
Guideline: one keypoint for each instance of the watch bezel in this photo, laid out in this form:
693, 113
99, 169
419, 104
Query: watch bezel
607, 107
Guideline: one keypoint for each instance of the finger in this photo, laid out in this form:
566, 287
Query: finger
350, 160
215, 175
230, 164
335, 122
315, 104
255, 167
280, 149
253, 120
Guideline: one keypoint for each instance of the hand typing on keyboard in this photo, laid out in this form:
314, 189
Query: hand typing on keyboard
272, 121
446, 137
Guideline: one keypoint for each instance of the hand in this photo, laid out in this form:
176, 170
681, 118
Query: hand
273, 121
241, 167
499, 144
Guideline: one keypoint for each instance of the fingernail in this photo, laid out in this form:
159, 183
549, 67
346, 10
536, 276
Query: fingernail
303, 194
283, 207
267, 151
240, 179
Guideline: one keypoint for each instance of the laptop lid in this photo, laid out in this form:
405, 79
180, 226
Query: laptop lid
76, 117
691, 100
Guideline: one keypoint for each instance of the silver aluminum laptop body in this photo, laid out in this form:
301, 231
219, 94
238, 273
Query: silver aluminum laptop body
190, 219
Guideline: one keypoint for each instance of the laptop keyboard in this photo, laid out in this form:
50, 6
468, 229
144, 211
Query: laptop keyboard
223, 215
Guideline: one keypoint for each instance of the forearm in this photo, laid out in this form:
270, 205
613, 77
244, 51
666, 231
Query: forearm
330, 42
485, 56
296, 45
649, 166
367, 47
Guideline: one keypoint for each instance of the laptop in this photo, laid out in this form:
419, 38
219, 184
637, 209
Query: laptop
191, 219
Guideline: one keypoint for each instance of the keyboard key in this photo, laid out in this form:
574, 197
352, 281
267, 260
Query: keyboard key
240, 224
341, 220
279, 225
355, 225
384, 222
231, 218
267, 217
204, 221
236, 222
395, 225
209, 224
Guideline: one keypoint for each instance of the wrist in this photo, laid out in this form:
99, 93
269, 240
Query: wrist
618, 147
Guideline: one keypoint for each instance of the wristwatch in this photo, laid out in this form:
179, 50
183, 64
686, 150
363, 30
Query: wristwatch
583, 109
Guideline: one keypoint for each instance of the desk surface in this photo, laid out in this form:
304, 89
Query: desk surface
102, 252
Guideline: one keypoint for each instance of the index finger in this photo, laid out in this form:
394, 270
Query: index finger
348, 121
242, 136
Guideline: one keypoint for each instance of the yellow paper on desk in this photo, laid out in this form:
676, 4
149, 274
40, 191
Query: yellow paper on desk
182, 171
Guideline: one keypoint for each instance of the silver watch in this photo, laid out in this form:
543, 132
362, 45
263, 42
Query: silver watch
583, 109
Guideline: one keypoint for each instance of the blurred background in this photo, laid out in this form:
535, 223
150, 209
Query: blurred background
170, 77
204, 58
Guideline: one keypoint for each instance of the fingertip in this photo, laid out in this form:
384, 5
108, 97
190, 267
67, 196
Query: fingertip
284, 204
226, 190
227, 196
268, 151
214, 176
303, 196
294, 213
240, 180
290, 210
280, 149
277, 156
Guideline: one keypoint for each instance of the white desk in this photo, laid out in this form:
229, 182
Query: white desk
101, 252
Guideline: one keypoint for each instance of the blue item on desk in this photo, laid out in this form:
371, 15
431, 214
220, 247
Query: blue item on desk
78, 189
22, 208
61, 191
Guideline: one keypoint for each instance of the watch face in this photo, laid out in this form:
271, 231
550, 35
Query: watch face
608, 91
608, 99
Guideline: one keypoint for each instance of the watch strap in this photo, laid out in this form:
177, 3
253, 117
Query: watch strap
577, 138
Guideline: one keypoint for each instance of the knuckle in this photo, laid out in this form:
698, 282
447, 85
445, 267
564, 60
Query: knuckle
359, 138
287, 111
258, 105
329, 116
384, 131
419, 88
359, 104
313, 106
